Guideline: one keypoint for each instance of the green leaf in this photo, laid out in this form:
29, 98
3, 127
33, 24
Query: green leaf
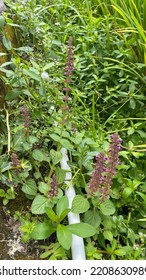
51, 214
80, 204
30, 187
43, 188
120, 252
33, 73
55, 156
32, 139
60, 174
66, 144
107, 208
40, 155
13, 94
127, 192
108, 235
78, 138
2, 193
132, 104
64, 214
39, 204
82, 229
55, 137
7, 43
42, 231
64, 236
92, 217
143, 196
62, 205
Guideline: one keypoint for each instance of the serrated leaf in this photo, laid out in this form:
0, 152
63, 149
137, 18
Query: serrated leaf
55, 137
80, 204
92, 218
66, 144
42, 231
64, 236
39, 204
107, 208
40, 155
30, 187
55, 156
82, 229
62, 205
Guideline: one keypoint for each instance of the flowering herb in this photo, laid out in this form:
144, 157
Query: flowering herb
105, 170
26, 119
54, 187
15, 162
69, 66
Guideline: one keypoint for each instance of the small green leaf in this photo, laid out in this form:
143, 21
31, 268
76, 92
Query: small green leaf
55, 137
62, 205
60, 174
64, 214
80, 204
39, 204
107, 208
55, 156
51, 214
64, 236
30, 187
43, 188
2, 193
42, 231
127, 192
7, 43
92, 217
40, 155
120, 252
143, 196
82, 229
132, 104
32, 73
108, 235
66, 144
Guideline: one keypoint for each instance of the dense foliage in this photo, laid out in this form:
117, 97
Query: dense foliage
76, 77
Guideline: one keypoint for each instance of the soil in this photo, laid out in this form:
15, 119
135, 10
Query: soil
11, 245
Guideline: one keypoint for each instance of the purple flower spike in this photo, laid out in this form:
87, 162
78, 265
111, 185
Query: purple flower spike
105, 169
54, 187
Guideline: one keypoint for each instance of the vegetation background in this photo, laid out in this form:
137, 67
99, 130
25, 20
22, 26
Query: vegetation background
107, 95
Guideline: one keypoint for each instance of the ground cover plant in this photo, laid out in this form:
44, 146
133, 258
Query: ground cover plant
76, 79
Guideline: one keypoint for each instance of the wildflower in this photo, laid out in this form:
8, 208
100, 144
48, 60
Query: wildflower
97, 176
69, 66
44, 75
54, 187
26, 118
14, 160
105, 169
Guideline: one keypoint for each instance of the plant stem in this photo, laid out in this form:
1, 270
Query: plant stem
8, 130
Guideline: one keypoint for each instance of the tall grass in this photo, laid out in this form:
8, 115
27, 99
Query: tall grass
129, 19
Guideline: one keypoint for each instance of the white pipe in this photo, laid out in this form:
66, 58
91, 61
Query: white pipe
77, 247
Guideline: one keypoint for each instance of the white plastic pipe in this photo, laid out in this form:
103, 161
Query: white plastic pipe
77, 247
